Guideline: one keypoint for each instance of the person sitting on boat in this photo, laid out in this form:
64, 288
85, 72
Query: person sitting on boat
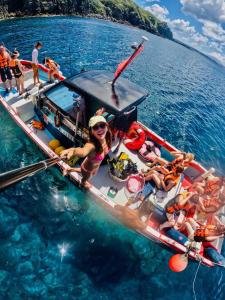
17, 70
209, 186
182, 159
208, 232
94, 151
165, 181
4, 68
212, 204
182, 203
53, 69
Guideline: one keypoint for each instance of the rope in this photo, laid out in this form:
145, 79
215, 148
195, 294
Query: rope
196, 273
193, 284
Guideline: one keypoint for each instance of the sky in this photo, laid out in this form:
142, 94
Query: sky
198, 23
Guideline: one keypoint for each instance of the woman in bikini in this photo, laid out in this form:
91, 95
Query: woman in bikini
94, 151
17, 69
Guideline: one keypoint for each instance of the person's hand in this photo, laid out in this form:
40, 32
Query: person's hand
100, 111
67, 154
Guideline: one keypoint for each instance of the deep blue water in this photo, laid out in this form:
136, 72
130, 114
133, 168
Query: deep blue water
104, 260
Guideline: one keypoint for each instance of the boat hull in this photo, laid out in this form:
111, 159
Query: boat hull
149, 231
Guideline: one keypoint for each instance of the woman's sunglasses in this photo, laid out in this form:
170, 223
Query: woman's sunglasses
99, 126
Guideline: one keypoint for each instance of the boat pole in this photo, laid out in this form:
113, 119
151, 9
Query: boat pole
11, 177
123, 65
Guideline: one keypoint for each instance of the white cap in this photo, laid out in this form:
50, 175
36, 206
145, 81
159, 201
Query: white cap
96, 119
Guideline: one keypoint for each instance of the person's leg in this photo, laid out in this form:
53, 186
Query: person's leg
3, 78
17, 85
213, 238
190, 230
180, 221
10, 84
70, 170
35, 71
54, 73
85, 177
22, 84
9, 77
192, 222
169, 223
49, 75
148, 174
157, 180
198, 187
38, 79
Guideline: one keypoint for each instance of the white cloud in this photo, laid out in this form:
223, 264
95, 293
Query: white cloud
158, 11
219, 57
180, 25
212, 39
213, 31
212, 10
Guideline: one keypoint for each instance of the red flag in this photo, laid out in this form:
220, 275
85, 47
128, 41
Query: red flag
122, 66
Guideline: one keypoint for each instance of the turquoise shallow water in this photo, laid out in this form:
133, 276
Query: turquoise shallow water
104, 260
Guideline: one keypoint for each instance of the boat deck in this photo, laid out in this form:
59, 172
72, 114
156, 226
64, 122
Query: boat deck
24, 107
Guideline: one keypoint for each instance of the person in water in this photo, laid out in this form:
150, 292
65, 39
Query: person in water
17, 70
37, 47
5, 72
163, 179
53, 68
94, 151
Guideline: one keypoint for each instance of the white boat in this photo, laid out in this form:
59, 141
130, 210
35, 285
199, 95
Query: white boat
57, 98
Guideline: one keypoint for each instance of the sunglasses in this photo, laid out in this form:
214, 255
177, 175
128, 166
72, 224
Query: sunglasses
99, 126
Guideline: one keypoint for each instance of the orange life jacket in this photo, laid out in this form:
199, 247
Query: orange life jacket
172, 177
38, 125
4, 60
176, 161
176, 207
209, 230
212, 186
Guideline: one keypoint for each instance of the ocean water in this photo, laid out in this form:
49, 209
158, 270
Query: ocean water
103, 259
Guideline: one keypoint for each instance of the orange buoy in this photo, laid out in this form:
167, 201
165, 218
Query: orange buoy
178, 262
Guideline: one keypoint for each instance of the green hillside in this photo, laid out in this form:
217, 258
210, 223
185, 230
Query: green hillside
124, 11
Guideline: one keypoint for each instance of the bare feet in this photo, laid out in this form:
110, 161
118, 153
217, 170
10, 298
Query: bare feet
87, 185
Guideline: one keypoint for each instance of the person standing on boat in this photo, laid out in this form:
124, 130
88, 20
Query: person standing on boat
37, 47
4, 68
94, 151
17, 70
